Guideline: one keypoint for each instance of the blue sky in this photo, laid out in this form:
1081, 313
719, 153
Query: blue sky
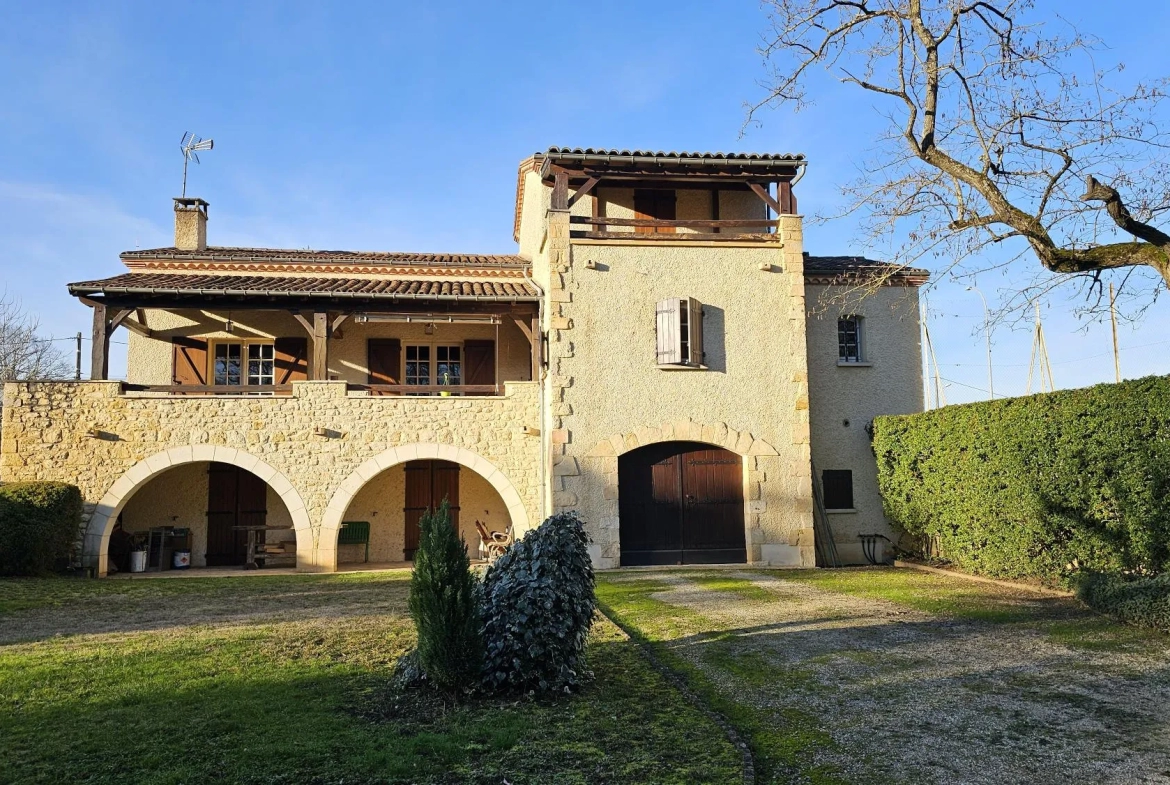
398, 126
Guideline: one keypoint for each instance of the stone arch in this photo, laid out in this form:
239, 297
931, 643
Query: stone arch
349, 487
101, 522
602, 460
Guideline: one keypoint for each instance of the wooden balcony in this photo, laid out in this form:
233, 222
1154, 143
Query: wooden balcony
662, 230
419, 390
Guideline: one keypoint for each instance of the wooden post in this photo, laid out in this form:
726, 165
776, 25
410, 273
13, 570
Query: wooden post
1113, 322
560, 194
99, 359
320, 369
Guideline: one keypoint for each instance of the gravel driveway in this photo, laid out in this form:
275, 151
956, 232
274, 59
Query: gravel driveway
901, 695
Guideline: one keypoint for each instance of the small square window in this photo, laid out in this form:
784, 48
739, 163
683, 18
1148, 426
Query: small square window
837, 486
849, 339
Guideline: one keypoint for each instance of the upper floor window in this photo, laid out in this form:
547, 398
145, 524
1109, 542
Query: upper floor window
849, 337
236, 363
654, 203
680, 332
427, 364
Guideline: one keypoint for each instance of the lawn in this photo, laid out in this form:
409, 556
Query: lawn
283, 679
897, 676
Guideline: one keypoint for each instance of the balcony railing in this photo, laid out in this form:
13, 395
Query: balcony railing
709, 229
286, 389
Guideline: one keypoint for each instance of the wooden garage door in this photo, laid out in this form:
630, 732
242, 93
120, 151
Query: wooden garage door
681, 503
427, 484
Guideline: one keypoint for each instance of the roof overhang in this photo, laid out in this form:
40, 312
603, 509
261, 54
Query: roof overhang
584, 163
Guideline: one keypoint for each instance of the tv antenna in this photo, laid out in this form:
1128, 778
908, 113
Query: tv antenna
191, 145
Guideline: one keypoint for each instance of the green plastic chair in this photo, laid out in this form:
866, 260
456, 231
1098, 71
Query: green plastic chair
355, 533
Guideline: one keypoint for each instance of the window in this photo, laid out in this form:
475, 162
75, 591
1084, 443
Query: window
243, 363
680, 333
837, 486
849, 339
657, 204
427, 365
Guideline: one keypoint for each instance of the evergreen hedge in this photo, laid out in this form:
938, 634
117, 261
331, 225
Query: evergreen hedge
39, 523
1037, 487
1141, 601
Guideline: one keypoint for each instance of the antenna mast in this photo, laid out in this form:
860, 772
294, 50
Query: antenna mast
191, 145
1039, 361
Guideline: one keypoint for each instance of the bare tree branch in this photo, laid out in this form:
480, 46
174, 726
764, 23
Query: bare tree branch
24, 353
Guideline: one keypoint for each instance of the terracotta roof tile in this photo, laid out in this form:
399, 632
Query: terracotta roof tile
227, 254
845, 265
303, 286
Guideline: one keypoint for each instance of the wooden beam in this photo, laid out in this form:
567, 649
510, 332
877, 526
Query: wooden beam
203, 389
304, 323
691, 223
585, 188
99, 358
138, 327
762, 192
523, 327
141, 316
118, 318
560, 194
335, 325
320, 369
677, 238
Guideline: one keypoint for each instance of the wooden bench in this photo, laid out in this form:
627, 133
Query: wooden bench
355, 533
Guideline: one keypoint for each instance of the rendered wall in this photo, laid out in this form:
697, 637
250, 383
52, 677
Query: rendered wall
890, 382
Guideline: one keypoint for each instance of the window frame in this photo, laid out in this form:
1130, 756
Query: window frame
859, 360
432, 361
679, 321
245, 345
825, 493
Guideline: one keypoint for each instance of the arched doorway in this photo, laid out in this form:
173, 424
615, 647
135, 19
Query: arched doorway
681, 503
376, 494
171, 488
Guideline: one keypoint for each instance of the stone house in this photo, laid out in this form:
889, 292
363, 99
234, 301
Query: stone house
660, 354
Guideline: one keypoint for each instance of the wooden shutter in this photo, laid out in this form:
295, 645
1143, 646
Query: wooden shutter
479, 362
695, 331
669, 314
654, 203
292, 360
383, 361
189, 360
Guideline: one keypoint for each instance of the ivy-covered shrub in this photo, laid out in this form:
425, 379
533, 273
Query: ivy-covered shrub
39, 523
444, 605
538, 606
1140, 601
1037, 487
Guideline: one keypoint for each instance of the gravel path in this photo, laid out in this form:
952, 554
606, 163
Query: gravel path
911, 697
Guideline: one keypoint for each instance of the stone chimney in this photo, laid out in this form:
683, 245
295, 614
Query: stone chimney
190, 224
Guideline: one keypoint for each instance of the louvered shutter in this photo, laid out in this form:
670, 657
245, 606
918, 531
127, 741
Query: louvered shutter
669, 314
189, 361
695, 330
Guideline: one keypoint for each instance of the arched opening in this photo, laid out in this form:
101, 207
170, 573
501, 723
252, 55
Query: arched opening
385, 497
380, 525
681, 503
210, 511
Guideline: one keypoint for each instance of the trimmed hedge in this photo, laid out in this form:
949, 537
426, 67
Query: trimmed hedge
1141, 601
39, 523
1036, 487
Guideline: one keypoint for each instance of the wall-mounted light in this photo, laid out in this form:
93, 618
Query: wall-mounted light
429, 329
228, 326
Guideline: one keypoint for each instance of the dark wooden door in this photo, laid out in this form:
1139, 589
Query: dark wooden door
234, 498
427, 484
681, 503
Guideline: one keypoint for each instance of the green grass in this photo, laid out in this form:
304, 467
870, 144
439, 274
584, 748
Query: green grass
785, 742
283, 679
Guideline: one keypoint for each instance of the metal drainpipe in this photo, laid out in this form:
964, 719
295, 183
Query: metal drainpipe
541, 401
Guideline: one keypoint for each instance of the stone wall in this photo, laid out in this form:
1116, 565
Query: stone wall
111, 445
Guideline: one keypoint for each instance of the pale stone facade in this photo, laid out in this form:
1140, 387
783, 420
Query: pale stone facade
769, 388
